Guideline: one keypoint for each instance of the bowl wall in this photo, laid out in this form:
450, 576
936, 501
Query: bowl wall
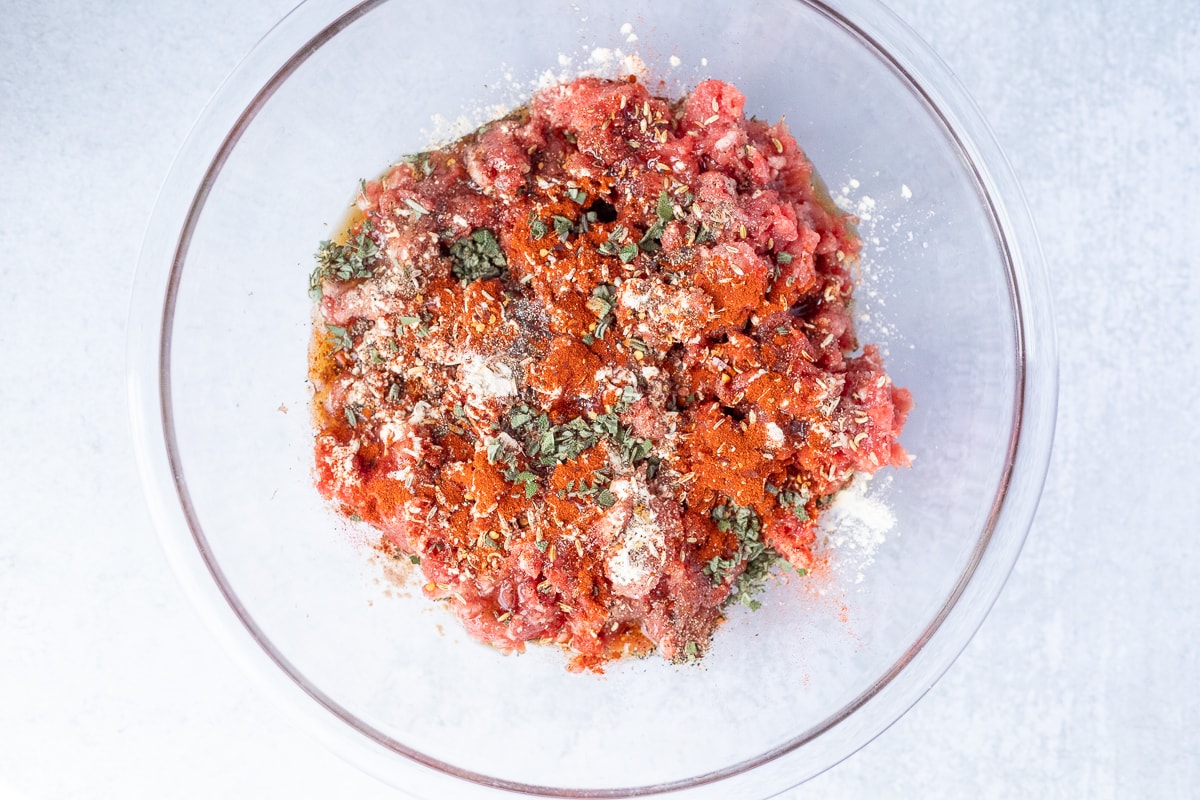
938, 292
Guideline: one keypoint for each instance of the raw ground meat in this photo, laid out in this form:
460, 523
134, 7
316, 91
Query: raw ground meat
594, 367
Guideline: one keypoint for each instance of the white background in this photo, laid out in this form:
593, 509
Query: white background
1083, 682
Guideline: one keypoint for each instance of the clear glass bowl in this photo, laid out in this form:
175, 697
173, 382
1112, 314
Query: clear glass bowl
953, 287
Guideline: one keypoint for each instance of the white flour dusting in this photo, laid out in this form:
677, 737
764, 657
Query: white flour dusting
882, 219
857, 523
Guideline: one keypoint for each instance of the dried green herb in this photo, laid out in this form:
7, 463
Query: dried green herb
753, 579
353, 260
549, 445
339, 337
537, 228
417, 209
629, 396
756, 554
477, 257
795, 501
602, 303
612, 245
650, 241
665, 211
421, 162
562, 226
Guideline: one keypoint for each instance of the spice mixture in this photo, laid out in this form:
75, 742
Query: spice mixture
593, 368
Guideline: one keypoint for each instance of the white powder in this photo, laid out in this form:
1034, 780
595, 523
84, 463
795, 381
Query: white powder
774, 434
856, 524
485, 379
641, 550
862, 207
420, 411
884, 226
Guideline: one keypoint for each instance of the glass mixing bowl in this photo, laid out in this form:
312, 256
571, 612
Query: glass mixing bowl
953, 287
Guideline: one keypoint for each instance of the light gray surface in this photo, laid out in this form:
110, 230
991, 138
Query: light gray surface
1082, 682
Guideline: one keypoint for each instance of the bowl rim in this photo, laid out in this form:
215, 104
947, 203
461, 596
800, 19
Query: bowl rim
160, 266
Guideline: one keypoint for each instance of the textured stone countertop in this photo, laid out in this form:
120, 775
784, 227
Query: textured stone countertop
1081, 683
